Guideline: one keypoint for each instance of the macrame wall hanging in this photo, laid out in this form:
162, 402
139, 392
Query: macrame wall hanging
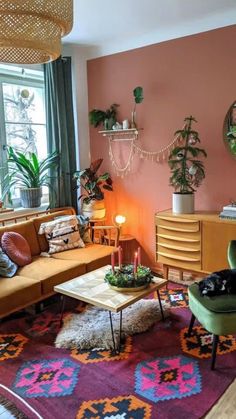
131, 135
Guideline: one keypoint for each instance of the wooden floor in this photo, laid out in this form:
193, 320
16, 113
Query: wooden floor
5, 414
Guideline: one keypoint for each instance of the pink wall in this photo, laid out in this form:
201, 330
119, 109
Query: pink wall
192, 75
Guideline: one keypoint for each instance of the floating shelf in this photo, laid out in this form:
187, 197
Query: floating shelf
121, 134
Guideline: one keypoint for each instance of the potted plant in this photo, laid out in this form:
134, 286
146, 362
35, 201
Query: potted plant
187, 171
93, 184
107, 117
29, 174
138, 98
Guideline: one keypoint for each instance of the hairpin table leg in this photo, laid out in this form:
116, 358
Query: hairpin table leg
62, 309
116, 350
160, 304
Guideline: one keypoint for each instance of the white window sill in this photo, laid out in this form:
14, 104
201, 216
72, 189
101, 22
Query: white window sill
22, 211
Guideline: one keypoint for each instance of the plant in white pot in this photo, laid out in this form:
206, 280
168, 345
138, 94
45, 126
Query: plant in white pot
93, 205
187, 171
28, 174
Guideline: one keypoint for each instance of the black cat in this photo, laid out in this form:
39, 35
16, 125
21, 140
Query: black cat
219, 283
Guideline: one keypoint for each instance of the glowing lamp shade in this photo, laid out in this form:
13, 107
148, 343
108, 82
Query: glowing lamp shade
120, 219
31, 31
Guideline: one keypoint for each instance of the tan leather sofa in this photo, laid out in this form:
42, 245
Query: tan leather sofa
35, 282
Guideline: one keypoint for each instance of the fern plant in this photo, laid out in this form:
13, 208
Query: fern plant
187, 170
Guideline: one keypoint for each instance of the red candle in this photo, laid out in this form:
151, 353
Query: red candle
120, 256
139, 255
113, 262
135, 262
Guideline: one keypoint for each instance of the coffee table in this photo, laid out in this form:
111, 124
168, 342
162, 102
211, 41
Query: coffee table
91, 288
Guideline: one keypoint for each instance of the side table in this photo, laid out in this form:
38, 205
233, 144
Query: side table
128, 245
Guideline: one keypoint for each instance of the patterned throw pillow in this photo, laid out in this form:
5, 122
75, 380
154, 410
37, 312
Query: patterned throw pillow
7, 267
62, 234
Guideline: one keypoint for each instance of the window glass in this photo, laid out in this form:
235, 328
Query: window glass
22, 114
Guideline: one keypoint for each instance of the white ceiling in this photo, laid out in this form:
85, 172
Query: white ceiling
106, 27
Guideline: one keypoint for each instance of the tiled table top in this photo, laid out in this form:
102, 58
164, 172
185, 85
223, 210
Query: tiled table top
92, 289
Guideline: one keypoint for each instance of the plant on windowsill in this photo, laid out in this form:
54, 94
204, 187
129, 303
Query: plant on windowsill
93, 184
29, 174
187, 171
107, 117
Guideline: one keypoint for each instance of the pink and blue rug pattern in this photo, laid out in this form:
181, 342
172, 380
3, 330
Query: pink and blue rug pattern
161, 373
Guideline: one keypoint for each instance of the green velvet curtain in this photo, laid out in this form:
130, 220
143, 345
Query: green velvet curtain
60, 130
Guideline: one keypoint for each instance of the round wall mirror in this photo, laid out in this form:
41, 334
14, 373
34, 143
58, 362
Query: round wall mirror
229, 130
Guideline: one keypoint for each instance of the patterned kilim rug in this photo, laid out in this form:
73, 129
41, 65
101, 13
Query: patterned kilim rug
161, 373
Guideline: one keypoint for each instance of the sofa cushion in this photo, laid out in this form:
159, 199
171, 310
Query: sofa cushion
16, 247
93, 255
27, 230
51, 272
17, 292
44, 219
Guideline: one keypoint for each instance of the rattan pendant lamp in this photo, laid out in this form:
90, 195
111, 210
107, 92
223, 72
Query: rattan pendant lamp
31, 30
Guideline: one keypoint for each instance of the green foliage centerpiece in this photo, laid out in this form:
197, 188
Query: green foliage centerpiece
130, 277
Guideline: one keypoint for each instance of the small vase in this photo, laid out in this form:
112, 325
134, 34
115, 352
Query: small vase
133, 117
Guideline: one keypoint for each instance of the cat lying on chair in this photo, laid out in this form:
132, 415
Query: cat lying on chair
219, 283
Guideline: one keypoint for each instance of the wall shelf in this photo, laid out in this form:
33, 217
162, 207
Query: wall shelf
121, 134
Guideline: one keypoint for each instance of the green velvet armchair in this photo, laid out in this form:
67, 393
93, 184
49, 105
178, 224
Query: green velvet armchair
232, 254
216, 314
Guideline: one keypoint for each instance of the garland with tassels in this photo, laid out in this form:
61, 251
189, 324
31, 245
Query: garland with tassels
154, 156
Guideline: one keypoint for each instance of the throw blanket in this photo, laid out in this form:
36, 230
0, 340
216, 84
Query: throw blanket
219, 283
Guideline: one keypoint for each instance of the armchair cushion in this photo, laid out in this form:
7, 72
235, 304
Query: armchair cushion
217, 322
218, 304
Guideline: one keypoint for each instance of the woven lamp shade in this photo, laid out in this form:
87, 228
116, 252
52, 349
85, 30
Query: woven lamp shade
31, 31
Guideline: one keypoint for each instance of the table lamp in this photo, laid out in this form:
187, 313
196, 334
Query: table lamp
119, 220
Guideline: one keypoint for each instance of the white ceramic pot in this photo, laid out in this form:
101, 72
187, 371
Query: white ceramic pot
183, 203
94, 210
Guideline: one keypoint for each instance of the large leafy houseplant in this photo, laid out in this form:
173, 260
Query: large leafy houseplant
187, 170
92, 183
28, 173
107, 117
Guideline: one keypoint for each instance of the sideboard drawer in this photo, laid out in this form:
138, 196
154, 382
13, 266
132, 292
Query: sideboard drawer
180, 261
178, 224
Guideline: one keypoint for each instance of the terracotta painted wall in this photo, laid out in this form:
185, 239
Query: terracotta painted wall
192, 75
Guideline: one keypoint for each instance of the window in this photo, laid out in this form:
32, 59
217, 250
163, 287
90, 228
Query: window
22, 115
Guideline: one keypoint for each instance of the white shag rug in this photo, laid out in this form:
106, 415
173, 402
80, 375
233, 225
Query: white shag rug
91, 329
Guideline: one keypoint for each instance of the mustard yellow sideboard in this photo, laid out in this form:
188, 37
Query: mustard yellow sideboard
193, 242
